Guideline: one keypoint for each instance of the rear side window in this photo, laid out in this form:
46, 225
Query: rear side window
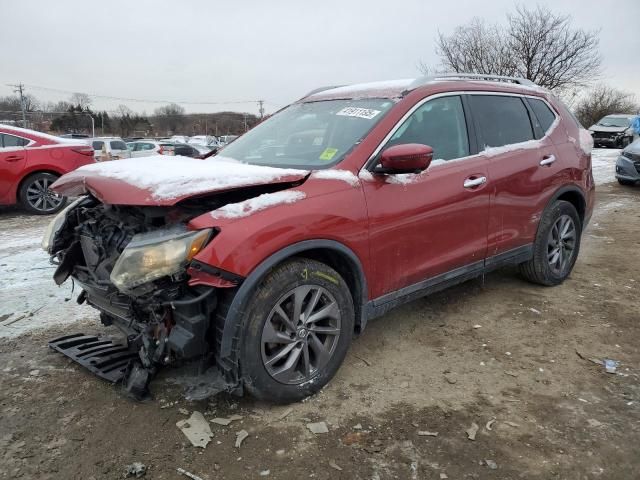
118, 145
7, 141
543, 112
503, 120
97, 145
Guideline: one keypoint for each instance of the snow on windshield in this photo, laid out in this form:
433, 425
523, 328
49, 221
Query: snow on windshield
176, 176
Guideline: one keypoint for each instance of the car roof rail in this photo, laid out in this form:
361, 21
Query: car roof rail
418, 82
321, 89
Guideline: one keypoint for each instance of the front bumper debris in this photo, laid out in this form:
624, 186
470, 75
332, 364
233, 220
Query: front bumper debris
101, 356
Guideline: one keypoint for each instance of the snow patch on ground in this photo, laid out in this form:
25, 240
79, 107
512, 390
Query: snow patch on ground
177, 176
253, 205
343, 175
29, 298
603, 164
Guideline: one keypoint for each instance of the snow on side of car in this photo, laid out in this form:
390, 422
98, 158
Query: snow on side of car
253, 205
176, 176
343, 175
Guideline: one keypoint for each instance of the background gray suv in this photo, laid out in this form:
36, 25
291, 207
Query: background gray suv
628, 164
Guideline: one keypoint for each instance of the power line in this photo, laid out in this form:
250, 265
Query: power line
128, 99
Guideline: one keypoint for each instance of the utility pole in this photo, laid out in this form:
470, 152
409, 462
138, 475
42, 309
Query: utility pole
261, 108
19, 88
244, 115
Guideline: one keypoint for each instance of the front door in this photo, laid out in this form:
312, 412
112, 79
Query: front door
13, 157
428, 224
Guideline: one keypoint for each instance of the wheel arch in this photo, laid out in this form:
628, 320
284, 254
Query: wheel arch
31, 173
335, 254
575, 196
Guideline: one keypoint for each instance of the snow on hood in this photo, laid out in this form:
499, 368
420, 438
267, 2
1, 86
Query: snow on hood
165, 180
261, 202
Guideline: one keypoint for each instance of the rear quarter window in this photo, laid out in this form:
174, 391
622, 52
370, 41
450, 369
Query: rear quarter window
7, 141
503, 120
97, 145
544, 114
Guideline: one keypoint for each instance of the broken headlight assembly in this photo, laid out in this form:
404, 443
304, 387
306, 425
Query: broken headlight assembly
153, 255
56, 224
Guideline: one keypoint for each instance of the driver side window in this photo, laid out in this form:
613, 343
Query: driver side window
439, 123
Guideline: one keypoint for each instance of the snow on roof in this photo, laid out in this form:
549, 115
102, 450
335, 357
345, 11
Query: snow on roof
384, 89
261, 202
50, 138
169, 177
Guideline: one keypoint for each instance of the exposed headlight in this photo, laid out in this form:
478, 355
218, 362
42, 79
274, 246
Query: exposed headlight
55, 225
153, 255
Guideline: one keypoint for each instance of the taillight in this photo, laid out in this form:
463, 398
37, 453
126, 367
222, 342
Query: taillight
160, 150
88, 151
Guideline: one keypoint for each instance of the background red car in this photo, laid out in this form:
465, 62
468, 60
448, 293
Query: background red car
31, 161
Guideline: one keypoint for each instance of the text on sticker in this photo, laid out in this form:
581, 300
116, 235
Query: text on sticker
358, 112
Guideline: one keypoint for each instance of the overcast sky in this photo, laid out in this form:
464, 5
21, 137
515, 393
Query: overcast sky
276, 50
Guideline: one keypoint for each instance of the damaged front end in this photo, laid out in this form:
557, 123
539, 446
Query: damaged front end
133, 265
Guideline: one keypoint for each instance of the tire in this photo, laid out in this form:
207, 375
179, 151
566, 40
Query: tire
35, 196
263, 364
552, 261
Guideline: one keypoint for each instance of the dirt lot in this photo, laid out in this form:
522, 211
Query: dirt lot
498, 352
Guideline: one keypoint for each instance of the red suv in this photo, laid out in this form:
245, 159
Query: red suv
31, 161
258, 266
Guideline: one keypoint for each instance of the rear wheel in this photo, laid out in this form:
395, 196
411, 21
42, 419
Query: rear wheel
296, 331
36, 197
556, 246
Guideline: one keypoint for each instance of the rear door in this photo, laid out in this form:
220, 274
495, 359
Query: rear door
522, 167
13, 158
119, 149
429, 224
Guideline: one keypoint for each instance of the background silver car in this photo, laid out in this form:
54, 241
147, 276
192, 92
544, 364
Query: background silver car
628, 165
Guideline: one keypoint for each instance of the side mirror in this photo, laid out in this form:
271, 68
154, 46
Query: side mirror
406, 158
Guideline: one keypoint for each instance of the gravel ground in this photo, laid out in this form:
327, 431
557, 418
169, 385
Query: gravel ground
512, 358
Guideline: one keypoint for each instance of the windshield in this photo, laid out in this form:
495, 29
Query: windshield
309, 135
615, 122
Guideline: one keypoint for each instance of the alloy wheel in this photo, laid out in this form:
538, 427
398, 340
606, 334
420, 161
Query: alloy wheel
300, 334
561, 244
41, 198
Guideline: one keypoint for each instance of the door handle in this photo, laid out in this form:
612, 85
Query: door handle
547, 160
474, 182
13, 158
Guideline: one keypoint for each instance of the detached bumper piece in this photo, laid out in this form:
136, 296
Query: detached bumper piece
103, 357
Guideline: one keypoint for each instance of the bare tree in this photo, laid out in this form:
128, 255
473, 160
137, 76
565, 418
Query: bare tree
81, 99
604, 100
535, 44
476, 48
168, 118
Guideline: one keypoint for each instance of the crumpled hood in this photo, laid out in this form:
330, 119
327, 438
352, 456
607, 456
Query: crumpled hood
163, 180
600, 128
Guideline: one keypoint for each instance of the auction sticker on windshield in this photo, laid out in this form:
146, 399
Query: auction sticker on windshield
358, 112
328, 154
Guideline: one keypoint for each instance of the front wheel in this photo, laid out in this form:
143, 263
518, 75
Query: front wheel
556, 246
296, 331
36, 197
626, 183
